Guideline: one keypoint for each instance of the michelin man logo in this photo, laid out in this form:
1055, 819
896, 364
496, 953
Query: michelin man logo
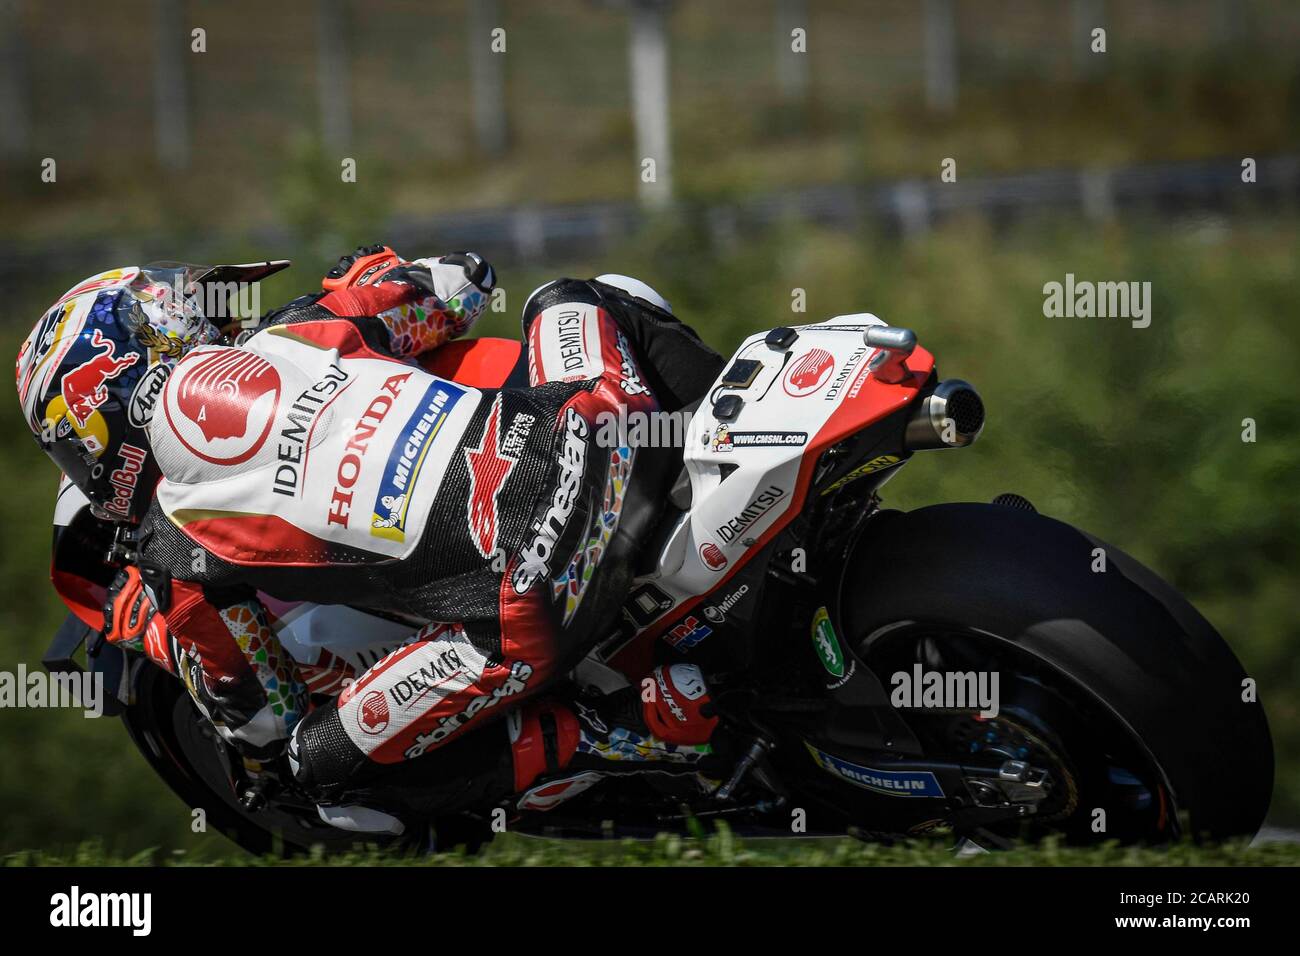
394, 505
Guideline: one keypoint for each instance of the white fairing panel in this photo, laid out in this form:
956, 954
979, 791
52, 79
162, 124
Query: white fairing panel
789, 400
69, 503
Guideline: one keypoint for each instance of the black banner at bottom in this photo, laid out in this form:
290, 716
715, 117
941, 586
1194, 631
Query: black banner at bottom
232, 906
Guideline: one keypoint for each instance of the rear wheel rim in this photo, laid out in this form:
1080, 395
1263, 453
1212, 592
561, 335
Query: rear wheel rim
1093, 753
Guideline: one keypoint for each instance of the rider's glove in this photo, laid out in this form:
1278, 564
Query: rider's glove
681, 710
131, 620
424, 303
449, 276
360, 267
442, 277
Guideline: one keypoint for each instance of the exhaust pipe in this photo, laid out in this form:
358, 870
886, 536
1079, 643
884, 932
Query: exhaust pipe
952, 416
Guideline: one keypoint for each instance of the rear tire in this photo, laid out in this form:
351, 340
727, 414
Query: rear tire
1120, 646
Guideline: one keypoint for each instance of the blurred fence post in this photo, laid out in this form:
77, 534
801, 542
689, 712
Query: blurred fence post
15, 129
1097, 194
940, 55
332, 85
648, 59
528, 232
171, 103
912, 208
487, 74
1235, 22
791, 67
1085, 16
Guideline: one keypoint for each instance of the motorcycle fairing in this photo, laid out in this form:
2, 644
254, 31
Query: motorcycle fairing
751, 472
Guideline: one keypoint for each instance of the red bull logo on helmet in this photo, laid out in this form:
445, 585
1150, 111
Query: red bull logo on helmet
85, 388
124, 479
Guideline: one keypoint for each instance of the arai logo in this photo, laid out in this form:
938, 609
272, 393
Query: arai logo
808, 373
144, 399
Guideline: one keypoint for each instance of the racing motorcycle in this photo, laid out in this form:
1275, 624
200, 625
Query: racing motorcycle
776, 568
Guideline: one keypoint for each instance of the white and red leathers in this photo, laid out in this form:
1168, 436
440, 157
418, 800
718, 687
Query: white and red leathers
318, 462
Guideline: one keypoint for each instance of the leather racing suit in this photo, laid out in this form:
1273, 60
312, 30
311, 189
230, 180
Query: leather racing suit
316, 462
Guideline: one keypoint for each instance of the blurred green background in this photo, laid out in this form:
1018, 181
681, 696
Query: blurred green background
1134, 434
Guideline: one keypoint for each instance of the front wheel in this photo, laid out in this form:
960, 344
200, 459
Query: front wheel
1109, 679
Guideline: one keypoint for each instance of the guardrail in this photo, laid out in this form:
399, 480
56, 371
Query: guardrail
907, 207
904, 207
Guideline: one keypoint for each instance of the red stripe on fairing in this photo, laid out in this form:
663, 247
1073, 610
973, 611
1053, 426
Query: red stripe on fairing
875, 401
480, 363
240, 539
82, 597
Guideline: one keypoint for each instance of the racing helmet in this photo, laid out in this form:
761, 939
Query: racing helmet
93, 369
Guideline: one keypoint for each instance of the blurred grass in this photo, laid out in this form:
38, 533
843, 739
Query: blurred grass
722, 848
1133, 434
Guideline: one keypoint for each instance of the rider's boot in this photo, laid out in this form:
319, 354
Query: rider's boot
556, 748
561, 748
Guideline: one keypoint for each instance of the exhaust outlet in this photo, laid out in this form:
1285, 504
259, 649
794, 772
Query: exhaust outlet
952, 416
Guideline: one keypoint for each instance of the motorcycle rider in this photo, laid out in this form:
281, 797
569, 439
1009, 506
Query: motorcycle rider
317, 461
